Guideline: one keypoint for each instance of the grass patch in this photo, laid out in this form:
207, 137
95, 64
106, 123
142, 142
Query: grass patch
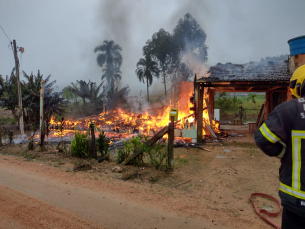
7, 120
29, 156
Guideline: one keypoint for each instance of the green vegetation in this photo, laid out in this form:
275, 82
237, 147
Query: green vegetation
30, 87
156, 155
79, 145
129, 148
7, 120
229, 106
102, 145
176, 52
146, 70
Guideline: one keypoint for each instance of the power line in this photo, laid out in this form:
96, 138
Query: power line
5, 34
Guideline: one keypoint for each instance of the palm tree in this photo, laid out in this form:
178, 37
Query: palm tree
146, 69
94, 92
87, 91
53, 101
110, 59
80, 89
116, 97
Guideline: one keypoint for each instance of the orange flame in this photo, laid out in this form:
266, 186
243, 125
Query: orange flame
123, 121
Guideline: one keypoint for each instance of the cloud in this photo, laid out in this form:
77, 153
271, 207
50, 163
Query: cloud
59, 36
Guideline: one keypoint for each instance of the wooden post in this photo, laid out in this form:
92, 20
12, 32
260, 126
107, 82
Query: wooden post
19, 90
211, 102
42, 136
289, 96
200, 114
195, 97
171, 136
41, 102
93, 149
267, 104
42, 126
1, 135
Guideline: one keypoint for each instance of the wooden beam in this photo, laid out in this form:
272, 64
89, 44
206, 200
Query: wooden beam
260, 116
210, 130
199, 114
236, 85
245, 90
170, 146
267, 105
274, 88
289, 96
211, 102
209, 112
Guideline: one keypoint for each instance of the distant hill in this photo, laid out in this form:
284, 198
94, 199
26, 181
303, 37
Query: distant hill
275, 58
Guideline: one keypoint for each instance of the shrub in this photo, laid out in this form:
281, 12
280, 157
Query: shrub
122, 156
79, 145
157, 155
102, 144
134, 145
31, 145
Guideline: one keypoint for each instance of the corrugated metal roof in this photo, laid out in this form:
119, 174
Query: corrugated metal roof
253, 71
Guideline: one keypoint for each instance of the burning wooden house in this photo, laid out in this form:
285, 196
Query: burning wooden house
269, 77
197, 117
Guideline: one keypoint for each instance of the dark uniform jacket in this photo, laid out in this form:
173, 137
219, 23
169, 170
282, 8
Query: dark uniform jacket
283, 136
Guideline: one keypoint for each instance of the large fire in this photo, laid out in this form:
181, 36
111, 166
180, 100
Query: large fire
124, 122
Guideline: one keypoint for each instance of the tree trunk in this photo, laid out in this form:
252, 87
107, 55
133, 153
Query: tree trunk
15, 116
147, 89
164, 83
1, 135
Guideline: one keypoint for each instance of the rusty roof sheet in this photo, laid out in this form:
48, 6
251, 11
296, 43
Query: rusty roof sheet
253, 71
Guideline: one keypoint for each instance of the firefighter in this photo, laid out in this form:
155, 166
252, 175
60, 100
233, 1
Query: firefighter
283, 136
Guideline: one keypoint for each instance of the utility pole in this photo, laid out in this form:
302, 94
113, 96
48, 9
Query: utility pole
42, 124
19, 90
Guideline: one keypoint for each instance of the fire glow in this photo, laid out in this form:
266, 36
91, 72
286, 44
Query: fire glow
124, 122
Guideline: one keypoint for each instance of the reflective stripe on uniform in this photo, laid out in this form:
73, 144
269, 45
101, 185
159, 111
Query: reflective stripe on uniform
296, 136
291, 191
280, 156
271, 137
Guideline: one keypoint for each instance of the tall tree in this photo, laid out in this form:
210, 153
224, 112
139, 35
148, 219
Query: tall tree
162, 49
146, 70
110, 59
89, 93
190, 38
9, 95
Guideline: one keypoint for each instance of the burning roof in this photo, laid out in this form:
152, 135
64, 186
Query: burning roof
253, 71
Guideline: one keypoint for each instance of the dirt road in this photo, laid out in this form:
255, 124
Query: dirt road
32, 199
207, 189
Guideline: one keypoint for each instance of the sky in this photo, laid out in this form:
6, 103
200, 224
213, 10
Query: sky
59, 36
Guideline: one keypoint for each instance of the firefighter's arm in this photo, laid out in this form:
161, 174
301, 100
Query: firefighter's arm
272, 136
269, 143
